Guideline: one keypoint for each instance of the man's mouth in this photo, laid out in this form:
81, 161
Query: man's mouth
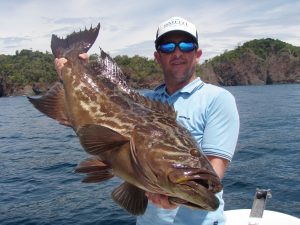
177, 62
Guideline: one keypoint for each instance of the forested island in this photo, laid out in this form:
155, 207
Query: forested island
257, 62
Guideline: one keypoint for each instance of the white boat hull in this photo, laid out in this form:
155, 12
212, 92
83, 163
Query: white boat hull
241, 217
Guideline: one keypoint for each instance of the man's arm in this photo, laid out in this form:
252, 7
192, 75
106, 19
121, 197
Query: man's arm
219, 164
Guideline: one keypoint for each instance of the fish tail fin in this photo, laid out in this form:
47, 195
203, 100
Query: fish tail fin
82, 41
52, 104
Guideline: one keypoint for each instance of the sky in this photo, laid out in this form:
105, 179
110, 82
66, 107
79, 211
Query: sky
128, 27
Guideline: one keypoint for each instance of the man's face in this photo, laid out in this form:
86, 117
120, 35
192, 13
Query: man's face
178, 67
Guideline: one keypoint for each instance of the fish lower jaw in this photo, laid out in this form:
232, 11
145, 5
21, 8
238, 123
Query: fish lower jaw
197, 195
202, 206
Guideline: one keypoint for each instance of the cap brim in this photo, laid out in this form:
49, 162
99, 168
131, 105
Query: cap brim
171, 31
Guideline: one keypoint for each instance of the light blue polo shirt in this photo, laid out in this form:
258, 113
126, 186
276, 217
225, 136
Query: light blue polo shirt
210, 114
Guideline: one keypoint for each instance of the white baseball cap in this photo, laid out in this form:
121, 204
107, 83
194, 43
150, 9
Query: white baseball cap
176, 24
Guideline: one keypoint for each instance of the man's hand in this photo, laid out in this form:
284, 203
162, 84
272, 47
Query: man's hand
60, 62
160, 201
84, 56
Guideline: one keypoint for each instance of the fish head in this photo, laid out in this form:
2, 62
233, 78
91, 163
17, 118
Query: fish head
183, 172
194, 187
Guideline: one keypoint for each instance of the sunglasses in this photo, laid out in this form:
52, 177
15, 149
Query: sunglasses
171, 46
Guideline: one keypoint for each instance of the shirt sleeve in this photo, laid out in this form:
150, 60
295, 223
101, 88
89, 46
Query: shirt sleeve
222, 127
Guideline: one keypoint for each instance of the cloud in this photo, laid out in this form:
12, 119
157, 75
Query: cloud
145, 48
9, 43
129, 26
13, 40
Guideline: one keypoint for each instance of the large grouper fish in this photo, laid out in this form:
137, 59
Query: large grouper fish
126, 134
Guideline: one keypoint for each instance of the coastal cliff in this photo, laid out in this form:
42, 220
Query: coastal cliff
258, 62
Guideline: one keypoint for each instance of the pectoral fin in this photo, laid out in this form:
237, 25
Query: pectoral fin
97, 139
95, 169
52, 104
131, 198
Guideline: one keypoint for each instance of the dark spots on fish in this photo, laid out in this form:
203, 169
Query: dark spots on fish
82, 96
120, 101
86, 95
163, 120
85, 90
109, 114
94, 109
108, 84
76, 82
93, 98
151, 118
130, 119
140, 128
112, 110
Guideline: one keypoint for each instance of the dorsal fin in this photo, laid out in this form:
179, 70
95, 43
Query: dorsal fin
107, 68
154, 105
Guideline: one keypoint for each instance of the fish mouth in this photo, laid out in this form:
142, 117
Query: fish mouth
198, 188
207, 180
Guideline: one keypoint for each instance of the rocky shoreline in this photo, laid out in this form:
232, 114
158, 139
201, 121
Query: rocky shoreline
214, 77
249, 69
257, 62
7, 89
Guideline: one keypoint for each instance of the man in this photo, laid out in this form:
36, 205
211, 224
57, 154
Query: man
208, 112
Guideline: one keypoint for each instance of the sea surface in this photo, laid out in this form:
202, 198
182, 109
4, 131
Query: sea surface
38, 156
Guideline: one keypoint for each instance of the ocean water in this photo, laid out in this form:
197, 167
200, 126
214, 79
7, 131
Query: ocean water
38, 156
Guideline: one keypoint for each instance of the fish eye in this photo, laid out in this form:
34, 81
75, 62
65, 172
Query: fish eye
195, 152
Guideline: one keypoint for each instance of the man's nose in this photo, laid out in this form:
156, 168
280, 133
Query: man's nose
177, 51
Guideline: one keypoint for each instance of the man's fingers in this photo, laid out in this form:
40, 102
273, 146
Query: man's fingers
60, 61
84, 56
161, 201
164, 202
59, 64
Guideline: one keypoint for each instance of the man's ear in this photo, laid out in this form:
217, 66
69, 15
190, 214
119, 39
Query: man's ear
157, 57
198, 54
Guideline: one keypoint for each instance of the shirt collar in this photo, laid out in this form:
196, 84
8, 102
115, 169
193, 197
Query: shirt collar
189, 88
